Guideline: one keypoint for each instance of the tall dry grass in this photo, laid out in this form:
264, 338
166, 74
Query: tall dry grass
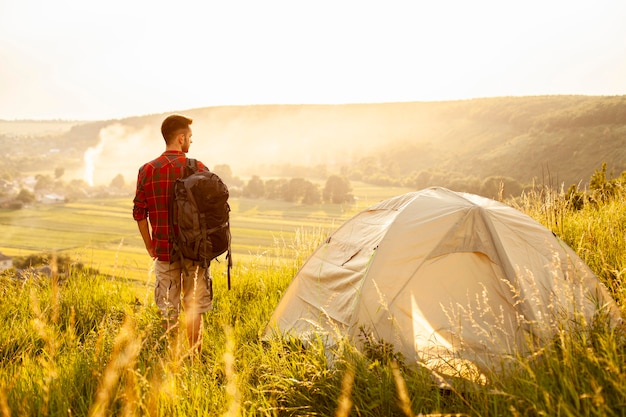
88, 345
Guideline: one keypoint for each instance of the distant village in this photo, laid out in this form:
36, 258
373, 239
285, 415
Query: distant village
31, 190
43, 189
10, 193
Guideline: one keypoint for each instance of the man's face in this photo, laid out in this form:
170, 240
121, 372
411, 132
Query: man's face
186, 140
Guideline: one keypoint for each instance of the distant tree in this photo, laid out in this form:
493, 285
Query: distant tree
418, 180
25, 196
44, 182
392, 168
275, 189
353, 173
117, 181
469, 184
255, 188
294, 190
500, 187
337, 190
226, 174
58, 172
368, 165
312, 194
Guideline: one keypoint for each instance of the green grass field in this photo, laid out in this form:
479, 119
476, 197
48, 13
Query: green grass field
101, 233
90, 344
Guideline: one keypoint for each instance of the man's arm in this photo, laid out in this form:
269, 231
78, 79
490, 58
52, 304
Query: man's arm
144, 229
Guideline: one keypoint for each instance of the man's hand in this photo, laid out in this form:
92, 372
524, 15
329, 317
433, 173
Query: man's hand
144, 229
151, 251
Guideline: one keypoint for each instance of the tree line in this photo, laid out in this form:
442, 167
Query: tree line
337, 190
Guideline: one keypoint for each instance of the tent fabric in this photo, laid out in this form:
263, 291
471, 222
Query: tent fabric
441, 274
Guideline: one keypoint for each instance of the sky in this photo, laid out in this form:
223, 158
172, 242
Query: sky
100, 60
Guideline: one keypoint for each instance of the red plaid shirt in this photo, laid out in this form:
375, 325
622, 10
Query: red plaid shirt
155, 183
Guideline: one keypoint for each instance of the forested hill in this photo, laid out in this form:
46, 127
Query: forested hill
550, 139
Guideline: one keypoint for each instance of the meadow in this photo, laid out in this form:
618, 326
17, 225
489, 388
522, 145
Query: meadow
91, 344
101, 233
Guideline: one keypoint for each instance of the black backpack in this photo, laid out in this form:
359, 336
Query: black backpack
199, 217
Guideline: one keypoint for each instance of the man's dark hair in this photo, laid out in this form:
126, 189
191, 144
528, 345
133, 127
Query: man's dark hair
172, 125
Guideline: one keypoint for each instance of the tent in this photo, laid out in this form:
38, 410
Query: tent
441, 275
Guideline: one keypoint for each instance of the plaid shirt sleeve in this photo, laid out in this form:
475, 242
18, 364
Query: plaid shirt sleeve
140, 205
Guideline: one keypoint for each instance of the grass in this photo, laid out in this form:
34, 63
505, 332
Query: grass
93, 231
92, 345
102, 234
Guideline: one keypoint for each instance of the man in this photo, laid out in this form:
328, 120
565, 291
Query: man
155, 184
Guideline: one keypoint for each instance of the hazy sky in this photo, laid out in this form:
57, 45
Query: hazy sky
93, 59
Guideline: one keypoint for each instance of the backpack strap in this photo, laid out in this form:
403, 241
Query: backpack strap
229, 257
191, 166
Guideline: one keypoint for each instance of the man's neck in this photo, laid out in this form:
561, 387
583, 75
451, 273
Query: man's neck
173, 148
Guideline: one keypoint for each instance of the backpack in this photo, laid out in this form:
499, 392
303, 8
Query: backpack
199, 216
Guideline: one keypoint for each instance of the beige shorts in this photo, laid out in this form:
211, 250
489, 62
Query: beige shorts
172, 281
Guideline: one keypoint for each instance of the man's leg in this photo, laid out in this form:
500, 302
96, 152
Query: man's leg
194, 330
167, 293
197, 299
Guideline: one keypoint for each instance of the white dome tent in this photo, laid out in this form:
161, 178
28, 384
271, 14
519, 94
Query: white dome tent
441, 275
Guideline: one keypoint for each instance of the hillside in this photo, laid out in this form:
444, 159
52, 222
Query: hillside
560, 139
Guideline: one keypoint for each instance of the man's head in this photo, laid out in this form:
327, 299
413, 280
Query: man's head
176, 131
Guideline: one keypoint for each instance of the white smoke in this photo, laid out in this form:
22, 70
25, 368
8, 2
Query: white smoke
90, 158
120, 150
